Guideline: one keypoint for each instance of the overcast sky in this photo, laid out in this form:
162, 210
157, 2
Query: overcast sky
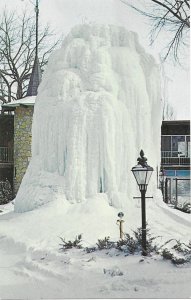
64, 14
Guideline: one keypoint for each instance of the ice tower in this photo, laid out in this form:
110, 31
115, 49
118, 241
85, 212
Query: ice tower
98, 104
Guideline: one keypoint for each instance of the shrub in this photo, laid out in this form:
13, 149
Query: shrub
71, 244
128, 244
178, 260
182, 248
166, 254
174, 253
149, 241
133, 245
105, 243
90, 249
186, 207
179, 253
6, 194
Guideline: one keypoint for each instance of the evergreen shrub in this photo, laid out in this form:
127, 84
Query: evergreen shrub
71, 244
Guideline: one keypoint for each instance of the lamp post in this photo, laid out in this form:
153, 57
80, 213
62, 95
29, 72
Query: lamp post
37, 14
161, 181
36, 24
142, 173
35, 77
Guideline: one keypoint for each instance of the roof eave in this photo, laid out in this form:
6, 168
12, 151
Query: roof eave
11, 107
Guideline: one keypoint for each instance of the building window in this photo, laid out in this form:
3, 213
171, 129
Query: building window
188, 145
166, 143
178, 146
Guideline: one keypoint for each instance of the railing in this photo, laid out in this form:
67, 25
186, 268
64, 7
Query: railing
6, 155
176, 191
174, 158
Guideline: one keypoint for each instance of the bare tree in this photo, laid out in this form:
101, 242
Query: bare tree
172, 16
17, 52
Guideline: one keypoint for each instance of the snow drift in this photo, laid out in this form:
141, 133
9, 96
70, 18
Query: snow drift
98, 105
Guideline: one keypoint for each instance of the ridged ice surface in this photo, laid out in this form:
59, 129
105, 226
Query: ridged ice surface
98, 105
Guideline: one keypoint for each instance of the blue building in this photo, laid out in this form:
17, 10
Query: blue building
175, 159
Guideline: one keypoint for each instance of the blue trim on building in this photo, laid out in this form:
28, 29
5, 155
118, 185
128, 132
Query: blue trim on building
177, 173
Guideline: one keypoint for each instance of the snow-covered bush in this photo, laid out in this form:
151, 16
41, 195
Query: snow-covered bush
105, 243
166, 254
133, 244
113, 272
128, 244
6, 194
180, 253
185, 207
90, 249
71, 244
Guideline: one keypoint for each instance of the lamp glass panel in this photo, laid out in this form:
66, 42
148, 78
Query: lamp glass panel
149, 173
140, 176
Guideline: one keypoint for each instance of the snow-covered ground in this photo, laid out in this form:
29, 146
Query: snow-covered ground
32, 266
97, 106
76, 274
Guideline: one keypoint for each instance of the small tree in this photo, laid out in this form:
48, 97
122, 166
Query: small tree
17, 52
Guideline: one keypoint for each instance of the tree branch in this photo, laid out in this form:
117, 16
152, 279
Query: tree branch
171, 11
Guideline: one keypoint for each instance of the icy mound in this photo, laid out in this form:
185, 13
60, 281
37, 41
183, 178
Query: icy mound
97, 106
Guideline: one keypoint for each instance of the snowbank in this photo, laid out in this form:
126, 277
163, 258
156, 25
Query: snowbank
98, 105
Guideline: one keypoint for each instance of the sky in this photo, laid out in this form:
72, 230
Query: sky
62, 15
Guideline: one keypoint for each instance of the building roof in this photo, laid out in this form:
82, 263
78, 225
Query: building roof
27, 101
35, 78
176, 122
175, 127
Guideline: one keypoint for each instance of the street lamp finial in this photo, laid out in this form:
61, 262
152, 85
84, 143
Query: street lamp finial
142, 160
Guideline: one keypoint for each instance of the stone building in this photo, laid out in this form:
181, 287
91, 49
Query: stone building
23, 113
22, 142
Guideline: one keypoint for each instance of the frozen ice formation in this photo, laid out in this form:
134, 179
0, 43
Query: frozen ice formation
98, 105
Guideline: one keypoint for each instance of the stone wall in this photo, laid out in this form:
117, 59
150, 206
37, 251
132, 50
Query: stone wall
22, 142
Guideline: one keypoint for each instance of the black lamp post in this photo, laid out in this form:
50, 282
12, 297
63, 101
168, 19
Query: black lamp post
37, 14
142, 173
36, 25
36, 74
